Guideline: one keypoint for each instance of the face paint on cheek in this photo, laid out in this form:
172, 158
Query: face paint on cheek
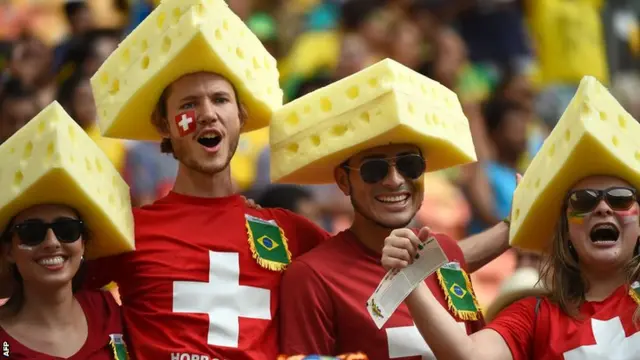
577, 217
186, 122
628, 216
24, 247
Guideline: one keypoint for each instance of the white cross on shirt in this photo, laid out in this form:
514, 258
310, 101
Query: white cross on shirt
223, 299
611, 343
406, 341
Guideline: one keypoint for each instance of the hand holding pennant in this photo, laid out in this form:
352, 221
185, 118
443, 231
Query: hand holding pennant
410, 259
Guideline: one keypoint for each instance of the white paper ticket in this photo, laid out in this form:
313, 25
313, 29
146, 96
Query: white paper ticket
397, 285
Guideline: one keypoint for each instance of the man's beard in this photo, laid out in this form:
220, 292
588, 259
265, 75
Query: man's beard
181, 154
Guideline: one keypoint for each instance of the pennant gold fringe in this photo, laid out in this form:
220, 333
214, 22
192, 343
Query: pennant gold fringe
115, 350
466, 315
267, 264
634, 295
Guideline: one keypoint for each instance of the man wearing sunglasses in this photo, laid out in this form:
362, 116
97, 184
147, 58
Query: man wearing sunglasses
325, 292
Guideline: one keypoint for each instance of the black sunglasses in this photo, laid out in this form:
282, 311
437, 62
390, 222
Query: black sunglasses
33, 232
371, 171
618, 198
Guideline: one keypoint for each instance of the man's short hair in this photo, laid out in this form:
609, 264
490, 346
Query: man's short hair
496, 110
67, 90
72, 7
316, 82
85, 47
13, 89
284, 196
354, 13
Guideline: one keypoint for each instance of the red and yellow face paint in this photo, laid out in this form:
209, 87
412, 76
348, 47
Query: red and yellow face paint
576, 217
627, 216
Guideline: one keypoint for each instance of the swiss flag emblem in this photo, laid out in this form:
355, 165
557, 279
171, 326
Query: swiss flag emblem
186, 122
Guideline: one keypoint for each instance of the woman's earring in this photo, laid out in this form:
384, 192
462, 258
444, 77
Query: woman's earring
573, 252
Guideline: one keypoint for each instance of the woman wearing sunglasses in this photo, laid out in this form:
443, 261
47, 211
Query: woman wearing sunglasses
46, 318
589, 312
43, 238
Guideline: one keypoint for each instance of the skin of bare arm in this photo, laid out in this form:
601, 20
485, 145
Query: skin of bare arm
482, 248
445, 338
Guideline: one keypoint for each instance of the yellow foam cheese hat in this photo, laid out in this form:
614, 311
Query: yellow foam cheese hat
51, 160
595, 136
522, 283
386, 103
181, 37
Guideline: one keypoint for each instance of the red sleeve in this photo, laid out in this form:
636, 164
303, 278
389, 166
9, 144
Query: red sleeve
302, 234
306, 313
100, 272
515, 325
451, 249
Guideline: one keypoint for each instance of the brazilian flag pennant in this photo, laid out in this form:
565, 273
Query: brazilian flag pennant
458, 291
268, 243
634, 292
119, 347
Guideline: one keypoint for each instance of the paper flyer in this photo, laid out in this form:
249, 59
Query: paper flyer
397, 285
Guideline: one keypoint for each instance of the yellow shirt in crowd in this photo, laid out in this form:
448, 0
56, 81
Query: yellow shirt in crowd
244, 163
569, 40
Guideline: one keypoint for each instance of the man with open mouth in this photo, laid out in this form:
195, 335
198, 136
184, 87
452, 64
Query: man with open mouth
202, 283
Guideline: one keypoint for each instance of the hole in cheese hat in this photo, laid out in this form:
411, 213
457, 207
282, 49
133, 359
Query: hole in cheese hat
51, 160
386, 103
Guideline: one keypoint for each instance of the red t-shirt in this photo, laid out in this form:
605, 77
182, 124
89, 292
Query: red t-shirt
606, 330
103, 321
323, 305
192, 288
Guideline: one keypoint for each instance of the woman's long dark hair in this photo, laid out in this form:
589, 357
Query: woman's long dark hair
16, 300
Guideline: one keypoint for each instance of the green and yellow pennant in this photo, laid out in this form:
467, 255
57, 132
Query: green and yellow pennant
634, 292
268, 243
458, 291
119, 347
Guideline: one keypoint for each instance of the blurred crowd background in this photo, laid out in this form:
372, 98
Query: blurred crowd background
515, 64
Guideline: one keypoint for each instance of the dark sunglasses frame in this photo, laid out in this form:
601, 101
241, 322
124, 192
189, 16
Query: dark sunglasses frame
370, 177
34, 232
599, 196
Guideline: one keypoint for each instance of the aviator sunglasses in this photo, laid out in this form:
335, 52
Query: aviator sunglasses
33, 232
618, 199
371, 171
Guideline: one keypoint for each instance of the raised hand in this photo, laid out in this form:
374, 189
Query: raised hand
401, 248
